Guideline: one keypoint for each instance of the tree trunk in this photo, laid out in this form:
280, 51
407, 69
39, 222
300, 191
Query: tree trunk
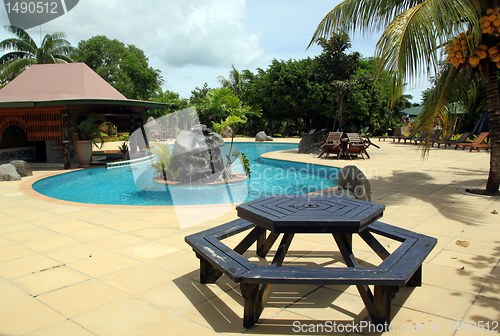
340, 103
490, 80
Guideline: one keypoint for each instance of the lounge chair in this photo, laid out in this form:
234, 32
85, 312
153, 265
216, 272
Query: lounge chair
434, 137
477, 143
421, 137
356, 146
448, 142
412, 135
424, 138
397, 132
332, 145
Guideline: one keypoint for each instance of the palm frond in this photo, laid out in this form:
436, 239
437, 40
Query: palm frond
64, 50
13, 56
15, 67
364, 16
408, 46
62, 59
21, 34
17, 44
451, 87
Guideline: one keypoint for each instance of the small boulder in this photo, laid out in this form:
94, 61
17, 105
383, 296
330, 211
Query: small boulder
227, 132
8, 172
269, 138
351, 178
261, 136
311, 143
22, 168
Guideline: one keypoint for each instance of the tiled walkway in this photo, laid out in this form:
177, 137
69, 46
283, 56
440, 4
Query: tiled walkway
86, 270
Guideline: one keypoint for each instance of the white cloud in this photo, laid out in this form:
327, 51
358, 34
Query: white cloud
212, 35
194, 41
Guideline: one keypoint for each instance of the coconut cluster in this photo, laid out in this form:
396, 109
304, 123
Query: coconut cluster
491, 22
463, 51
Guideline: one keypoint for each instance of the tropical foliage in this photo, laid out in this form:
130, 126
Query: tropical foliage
321, 92
22, 52
88, 129
221, 103
123, 66
416, 34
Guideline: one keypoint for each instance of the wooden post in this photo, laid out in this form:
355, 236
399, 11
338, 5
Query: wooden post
416, 278
65, 139
382, 304
250, 293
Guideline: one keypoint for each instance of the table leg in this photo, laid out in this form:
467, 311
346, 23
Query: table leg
266, 245
378, 306
416, 279
254, 235
208, 272
265, 290
374, 244
382, 304
250, 293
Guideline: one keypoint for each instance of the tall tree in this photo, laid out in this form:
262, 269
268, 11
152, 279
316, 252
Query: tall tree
336, 68
415, 31
24, 52
235, 81
123, 66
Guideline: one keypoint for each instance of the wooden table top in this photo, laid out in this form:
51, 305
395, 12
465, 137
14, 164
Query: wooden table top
310, 213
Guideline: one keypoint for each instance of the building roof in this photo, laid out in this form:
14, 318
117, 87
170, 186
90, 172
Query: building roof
412, 111
64, 84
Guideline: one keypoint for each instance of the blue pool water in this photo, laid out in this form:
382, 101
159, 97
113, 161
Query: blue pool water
126, 186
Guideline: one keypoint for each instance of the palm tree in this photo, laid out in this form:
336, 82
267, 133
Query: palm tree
414, 34
23, 52
235, 81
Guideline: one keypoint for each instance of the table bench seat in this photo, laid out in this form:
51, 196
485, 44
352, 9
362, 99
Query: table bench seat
402, 267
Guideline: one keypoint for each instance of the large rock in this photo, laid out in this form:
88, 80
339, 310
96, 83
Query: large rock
196, 155
8, 172
261, 136
196, 140
311, 143
352, 179
22, 168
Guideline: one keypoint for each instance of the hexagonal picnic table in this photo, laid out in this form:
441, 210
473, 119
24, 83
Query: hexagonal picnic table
303, 214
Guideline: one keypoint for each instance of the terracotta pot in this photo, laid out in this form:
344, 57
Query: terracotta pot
83, 151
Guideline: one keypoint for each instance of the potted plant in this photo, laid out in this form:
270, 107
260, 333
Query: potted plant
85, 135
124, 149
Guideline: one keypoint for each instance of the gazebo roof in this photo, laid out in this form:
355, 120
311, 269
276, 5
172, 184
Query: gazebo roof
64, 84
412, 111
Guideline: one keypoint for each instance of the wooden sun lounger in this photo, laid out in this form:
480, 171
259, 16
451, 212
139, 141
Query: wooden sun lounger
332, 145
420, 138
477, 143
448, 142
397, 132
412, 135
431, 139
356, 146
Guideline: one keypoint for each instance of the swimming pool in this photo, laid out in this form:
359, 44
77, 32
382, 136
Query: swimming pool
125, 186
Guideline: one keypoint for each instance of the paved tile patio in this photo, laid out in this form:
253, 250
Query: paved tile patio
68, 269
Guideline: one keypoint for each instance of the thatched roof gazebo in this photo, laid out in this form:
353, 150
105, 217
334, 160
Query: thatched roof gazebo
46, 98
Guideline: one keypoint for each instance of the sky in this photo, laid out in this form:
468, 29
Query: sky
195, 41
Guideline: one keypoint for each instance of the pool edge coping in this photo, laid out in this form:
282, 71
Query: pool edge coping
26, 187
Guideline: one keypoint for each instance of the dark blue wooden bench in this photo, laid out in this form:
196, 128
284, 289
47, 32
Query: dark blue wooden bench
403, 267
